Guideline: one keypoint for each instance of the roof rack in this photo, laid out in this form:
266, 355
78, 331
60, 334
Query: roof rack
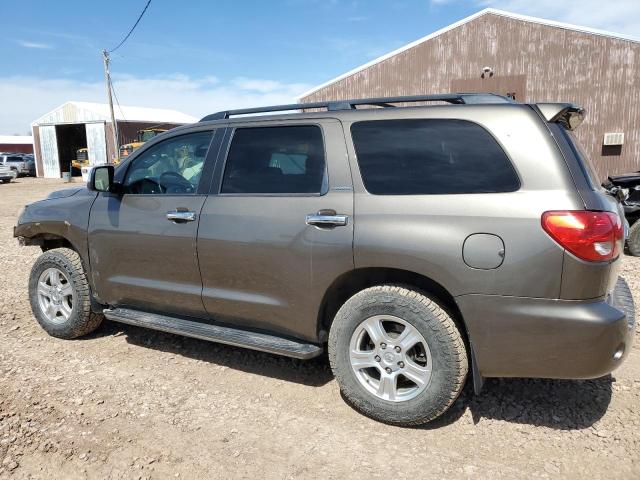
335, 105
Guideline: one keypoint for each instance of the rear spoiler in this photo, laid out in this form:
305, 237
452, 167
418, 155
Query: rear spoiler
568, 114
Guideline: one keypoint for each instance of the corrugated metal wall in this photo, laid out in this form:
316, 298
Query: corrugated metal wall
600, 73
49, 151
96, 143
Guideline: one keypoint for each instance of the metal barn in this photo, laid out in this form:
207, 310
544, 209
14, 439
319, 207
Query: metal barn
527, 58
59, 134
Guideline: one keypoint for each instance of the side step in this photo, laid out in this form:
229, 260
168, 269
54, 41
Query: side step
215, 333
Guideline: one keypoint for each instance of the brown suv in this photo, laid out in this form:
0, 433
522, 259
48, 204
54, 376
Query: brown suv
416, 244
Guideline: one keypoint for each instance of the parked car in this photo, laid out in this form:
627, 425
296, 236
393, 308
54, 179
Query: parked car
627, 188
31, 164
19, 163
7, 174
419, 245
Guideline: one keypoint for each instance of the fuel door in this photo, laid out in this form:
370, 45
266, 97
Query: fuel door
484, 251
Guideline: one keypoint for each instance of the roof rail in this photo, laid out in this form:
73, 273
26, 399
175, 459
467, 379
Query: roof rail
334, 105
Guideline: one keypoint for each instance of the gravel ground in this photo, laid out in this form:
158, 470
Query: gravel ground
131, 403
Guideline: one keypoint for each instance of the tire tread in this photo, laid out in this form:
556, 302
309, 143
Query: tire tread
83, 321
441, 324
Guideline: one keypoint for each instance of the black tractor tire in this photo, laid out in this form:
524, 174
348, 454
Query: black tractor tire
81, 320
633, 242
446, 344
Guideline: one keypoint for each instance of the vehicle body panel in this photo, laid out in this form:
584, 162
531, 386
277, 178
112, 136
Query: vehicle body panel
63, 215
140, 259
262, 266
425, 233
547, 338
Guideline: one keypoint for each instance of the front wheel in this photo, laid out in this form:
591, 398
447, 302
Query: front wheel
59, 295
397, 355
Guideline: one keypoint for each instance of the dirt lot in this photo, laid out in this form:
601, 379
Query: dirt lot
132, 403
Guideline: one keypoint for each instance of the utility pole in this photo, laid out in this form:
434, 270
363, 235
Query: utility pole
114, 125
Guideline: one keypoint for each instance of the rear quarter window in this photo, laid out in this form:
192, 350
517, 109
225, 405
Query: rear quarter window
430, 156
584, 160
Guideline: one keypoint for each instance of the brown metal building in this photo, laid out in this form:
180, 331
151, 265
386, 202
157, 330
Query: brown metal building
59, 134
529, 59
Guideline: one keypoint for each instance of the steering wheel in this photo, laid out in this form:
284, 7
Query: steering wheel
173, 182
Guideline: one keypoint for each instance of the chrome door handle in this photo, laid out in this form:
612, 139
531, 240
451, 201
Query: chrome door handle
320, 220
181, 216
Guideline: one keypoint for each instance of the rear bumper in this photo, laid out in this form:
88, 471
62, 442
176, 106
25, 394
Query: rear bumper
546, 338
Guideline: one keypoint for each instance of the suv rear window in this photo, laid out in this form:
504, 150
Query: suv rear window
425, 156
284, 160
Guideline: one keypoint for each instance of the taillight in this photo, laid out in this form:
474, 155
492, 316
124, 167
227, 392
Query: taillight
591, 236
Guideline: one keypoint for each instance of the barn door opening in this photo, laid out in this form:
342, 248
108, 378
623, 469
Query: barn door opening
513, 86
71, 139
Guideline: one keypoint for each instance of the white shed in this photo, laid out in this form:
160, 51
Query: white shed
60, 133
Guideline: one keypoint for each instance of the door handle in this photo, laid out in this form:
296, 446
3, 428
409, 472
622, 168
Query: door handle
180, 216
326, 219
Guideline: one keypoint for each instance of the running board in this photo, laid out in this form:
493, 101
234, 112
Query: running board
215, 333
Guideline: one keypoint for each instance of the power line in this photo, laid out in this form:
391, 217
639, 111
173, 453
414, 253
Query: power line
132, 28
113, 89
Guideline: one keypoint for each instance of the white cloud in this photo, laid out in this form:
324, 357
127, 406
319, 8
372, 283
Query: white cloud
28, 44
27, 98
620, 16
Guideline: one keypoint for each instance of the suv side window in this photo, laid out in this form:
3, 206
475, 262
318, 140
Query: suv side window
173, 166
281, 160
429, 156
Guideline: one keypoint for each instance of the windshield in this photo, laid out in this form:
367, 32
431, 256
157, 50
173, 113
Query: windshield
147, 135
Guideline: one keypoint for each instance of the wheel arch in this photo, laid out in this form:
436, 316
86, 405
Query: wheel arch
48, 241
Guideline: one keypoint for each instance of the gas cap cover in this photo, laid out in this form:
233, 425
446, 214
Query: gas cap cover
484, 251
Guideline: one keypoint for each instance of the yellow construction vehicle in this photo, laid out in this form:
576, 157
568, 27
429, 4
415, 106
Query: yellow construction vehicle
142, 137
81, 160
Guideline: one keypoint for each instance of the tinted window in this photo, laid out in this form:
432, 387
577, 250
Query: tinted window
15, 159
413, 157
173, 166
583, 158
275, 160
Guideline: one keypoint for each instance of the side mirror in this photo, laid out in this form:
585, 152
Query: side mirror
101, 178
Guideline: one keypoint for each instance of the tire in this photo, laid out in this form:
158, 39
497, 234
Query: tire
633, 242
441, 341
68, 295
623, 299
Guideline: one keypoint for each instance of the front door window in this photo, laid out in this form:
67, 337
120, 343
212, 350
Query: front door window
173, 166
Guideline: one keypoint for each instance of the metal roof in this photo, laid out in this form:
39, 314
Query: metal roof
16, 139
486, 11
79, 112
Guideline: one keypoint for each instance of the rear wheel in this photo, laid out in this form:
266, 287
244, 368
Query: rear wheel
397, 355
633, 242
59, 295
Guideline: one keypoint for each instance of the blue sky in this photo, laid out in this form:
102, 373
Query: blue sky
201, 56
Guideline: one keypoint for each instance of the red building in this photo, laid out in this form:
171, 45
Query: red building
16, 143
